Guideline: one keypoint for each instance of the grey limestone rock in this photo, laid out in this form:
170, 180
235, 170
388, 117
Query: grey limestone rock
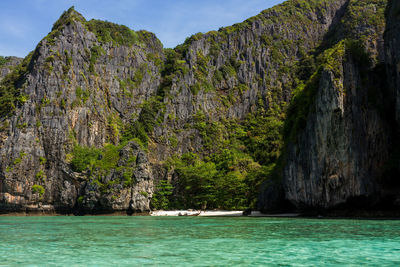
10, 63
81, 89
71, 102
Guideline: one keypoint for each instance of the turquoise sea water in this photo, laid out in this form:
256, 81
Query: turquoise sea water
194, 241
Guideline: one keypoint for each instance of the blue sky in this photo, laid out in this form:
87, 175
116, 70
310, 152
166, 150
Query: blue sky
23, 23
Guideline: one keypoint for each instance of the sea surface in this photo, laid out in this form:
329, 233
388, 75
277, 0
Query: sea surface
197, 241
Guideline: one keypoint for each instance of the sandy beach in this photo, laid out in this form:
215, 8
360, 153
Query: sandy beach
216, 213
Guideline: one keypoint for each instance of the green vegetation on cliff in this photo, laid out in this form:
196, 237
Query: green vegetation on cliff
236, 158
254, 144
217, 112
101, 162
304, 95
162, 195
38, 189
3, 60
106, 32
110, 32
10, 87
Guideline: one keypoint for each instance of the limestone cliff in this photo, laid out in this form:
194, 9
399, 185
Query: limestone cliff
74, 91
392, 42
226, 73
7, 64
100, 118
344, 146
343, 150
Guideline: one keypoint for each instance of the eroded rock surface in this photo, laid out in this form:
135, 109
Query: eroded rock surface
132, 105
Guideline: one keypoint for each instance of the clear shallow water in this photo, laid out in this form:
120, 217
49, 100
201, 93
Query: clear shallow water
194, 241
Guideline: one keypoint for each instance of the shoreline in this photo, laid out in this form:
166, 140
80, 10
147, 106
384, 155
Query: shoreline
158, 213
377, 215
217, 213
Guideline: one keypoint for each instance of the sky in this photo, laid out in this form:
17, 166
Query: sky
23, 23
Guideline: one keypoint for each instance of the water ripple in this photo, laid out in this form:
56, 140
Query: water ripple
194, 241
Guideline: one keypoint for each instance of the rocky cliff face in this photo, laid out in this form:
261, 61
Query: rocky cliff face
7, 64
228, 72
343, 148
98, 114
344, 152
76, 91
392, 43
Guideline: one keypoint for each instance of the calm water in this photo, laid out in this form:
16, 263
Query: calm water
194, 241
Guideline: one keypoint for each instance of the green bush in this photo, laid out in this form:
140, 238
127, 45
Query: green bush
40, 176
38, 189
135, 131
80, 199
3, 60
84, 157
226, 180
174, 65
144, 193
95, 53
109, 158
173, 141
162, 196
105, 158
10, 87
107, 32
139, 74
82, 95
196, 181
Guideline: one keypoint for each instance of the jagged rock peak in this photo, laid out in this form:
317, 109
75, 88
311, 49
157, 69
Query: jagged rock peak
105, 32
98, 114
67, 17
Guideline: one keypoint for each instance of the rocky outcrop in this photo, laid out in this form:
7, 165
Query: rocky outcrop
392, 45
7, 64
342, 151
110, 193
346, 149
91, 116
79, 91
229, 71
